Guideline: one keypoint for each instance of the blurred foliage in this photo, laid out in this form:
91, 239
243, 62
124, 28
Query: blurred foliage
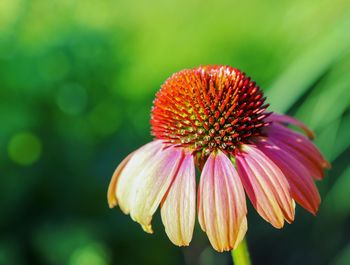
77, 79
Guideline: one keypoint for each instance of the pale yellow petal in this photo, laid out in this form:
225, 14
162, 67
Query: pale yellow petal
179, 207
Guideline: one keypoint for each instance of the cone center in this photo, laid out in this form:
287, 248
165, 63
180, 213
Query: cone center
208, 108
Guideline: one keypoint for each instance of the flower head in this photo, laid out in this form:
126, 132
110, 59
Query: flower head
215, 117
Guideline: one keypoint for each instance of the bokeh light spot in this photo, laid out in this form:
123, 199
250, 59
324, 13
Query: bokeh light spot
92, 254
24, 148
72, 99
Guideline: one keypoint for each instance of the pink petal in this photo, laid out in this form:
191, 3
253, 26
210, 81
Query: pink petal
221, 203
303, 189
178, 210
301, 147
290, 120
152, 184
145, 179
265, 185
131, 171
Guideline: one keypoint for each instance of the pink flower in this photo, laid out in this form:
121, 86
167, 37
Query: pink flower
214, 117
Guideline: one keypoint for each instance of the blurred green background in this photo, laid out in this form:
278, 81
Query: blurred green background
77, 80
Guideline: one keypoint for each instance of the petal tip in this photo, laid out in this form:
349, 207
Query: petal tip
278, 225
147, 228
326, 164
314, 209
112, 202
309, 133
181, 243
289, 219
314, 212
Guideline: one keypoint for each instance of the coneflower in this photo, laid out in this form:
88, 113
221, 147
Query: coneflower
215, 118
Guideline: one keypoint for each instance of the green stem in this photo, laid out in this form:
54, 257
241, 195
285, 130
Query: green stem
241, 255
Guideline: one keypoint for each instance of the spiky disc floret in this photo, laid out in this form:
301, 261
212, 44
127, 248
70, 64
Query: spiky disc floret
208, 108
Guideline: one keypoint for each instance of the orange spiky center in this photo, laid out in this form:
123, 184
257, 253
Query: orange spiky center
209, 108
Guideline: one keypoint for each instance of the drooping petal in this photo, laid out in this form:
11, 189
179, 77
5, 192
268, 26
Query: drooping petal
152, 184
301, 147
221, 203
266, 186
145, 179
111, 194
285, 119
127, 176
303, 189
310, 164
178, 209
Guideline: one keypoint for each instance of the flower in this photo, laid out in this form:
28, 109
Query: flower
215, 117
